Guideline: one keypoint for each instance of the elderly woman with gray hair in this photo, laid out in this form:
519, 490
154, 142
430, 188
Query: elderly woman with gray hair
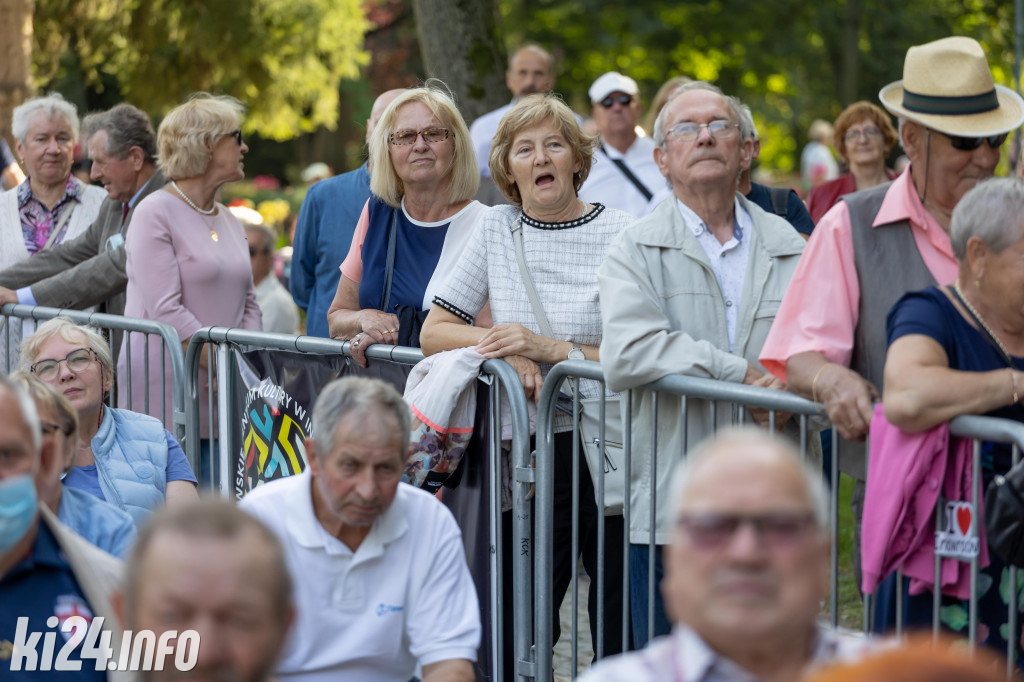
959, 350
51, 205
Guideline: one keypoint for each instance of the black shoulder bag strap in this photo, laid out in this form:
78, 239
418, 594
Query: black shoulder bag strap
780, 200
389, 266
641, 187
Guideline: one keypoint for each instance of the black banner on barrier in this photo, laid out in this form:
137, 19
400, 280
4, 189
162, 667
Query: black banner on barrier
274, 401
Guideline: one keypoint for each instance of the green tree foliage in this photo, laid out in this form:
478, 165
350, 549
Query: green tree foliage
791, 60
283, 58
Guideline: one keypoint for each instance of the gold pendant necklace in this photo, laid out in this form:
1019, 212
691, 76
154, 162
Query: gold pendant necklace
213, 233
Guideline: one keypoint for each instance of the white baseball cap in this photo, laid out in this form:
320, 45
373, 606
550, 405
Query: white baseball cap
610, 82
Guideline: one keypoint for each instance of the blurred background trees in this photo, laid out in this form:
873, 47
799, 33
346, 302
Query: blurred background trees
308, 69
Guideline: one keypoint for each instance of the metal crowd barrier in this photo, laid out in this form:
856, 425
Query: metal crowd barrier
716, 397
14, 316
506, 389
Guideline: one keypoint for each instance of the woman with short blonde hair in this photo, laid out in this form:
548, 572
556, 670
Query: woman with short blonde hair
187, 254
418, 219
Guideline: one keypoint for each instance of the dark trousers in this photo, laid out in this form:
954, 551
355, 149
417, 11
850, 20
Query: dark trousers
639, 572
565, 562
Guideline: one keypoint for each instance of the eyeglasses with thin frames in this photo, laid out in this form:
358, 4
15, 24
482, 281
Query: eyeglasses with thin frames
77, 361
430, 136
688, 131
871, 133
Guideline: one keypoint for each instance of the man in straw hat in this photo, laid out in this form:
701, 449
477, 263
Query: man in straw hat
828, 339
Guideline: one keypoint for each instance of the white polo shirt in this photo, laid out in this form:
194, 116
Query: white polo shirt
608, 185
403, 597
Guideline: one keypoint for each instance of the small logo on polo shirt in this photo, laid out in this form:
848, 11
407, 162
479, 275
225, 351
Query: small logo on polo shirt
385, 609
69, 606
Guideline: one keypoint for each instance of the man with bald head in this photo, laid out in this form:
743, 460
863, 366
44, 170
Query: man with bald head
530, 71
745, 572
324, 230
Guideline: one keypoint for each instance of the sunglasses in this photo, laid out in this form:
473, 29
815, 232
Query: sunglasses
969, 144
237, 134
623, 99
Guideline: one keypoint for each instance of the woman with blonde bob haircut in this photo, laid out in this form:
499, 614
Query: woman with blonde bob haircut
539, 158
187, 255
414, 226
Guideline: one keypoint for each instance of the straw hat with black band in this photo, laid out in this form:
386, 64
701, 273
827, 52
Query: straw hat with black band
947, 86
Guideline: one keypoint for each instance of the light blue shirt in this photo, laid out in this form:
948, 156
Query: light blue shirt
99, 522
728, 260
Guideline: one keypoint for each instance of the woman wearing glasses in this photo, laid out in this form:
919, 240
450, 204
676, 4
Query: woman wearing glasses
418, 219
864, 137
123, 457
189, 265
539, 159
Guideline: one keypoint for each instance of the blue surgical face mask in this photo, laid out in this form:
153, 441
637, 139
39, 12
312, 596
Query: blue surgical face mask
18, 504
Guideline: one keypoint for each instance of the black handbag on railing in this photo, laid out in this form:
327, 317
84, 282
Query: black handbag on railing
1004, 515
1004, 502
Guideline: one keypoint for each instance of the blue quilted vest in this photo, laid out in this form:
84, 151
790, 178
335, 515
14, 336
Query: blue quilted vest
131, 461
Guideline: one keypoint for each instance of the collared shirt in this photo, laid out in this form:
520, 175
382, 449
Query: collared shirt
403, 597
608, 185
482, 134
38, 221
683, 656
39, 587
820, 309
728, 260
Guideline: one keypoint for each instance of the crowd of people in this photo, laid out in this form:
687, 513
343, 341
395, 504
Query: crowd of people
893, 299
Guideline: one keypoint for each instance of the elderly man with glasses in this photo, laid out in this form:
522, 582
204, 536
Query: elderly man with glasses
624, 175
746, 570
690, 289
828, 342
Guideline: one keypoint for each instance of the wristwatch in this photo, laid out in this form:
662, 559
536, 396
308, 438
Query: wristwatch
576, 353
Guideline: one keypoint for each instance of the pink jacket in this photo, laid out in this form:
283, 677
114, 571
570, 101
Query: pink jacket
906, 473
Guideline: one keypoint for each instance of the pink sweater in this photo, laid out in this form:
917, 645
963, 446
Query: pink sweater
177, 274
906, 474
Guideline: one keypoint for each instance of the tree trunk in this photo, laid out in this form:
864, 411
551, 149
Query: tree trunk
850, 53
15, 59
462, 44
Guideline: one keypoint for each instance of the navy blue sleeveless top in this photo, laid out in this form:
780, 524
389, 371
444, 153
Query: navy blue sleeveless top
417, 250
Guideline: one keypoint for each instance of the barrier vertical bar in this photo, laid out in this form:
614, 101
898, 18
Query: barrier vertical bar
627, 452
833, 511
497, 540
223, 423
574, 585
599, 651
975, 488
652, 537
1011, 620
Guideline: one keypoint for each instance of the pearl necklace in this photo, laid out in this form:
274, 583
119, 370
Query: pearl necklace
979, 318
213, 233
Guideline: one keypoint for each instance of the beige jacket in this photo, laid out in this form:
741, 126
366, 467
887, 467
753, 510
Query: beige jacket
664, 313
